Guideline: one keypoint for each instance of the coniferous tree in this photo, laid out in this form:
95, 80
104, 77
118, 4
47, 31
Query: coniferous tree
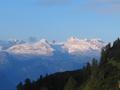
20, 86
28, 85
71, 84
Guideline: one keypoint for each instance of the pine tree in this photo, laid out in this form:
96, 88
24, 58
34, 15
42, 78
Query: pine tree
28, 85
20, 86
71, 84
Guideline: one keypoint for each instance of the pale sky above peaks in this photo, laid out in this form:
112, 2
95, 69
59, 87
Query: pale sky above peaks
60, 19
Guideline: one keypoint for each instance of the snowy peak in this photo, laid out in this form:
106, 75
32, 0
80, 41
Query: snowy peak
5, 44
41, 47
78, 46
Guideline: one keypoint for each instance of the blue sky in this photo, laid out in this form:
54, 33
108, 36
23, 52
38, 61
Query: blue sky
60, 19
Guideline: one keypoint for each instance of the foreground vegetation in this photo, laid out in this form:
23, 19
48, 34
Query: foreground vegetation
96, 75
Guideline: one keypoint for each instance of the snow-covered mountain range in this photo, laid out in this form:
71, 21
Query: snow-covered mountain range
21, 59
43, 47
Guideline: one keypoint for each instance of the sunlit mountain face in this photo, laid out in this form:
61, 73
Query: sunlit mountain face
21, 59
45, 48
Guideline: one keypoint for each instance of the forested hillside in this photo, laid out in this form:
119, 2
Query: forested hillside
96, 75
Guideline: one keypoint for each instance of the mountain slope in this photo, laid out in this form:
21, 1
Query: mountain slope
102, 75
39, 48
75, 45
30, 59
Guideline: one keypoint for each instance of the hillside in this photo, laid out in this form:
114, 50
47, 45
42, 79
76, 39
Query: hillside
28, 59
102, 75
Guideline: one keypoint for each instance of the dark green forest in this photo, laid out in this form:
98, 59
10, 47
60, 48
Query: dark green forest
103, 74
